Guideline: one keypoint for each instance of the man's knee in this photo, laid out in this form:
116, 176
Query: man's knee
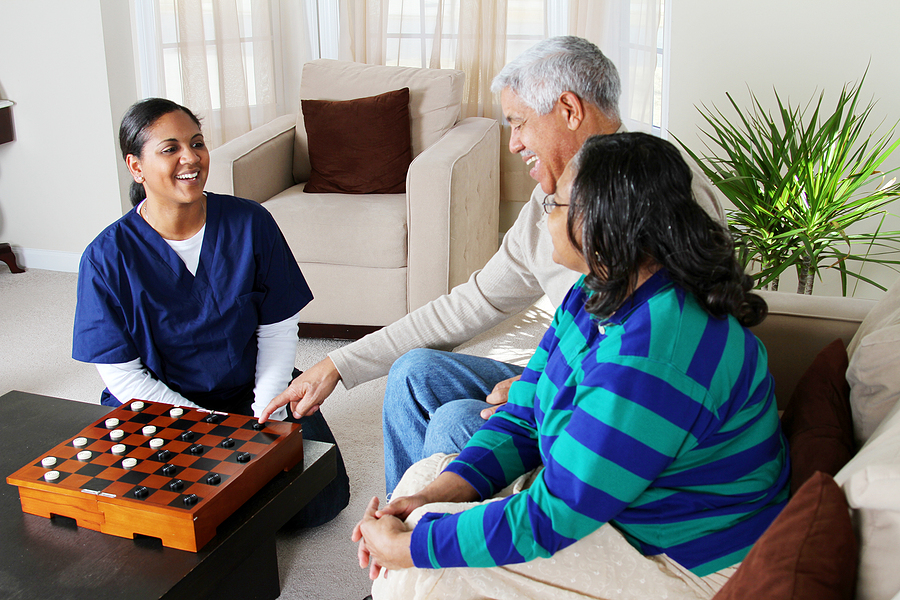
452, 425
408, 379
412, 364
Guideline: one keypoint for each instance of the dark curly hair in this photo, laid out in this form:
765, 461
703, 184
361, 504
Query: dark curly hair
632, 200
135, 130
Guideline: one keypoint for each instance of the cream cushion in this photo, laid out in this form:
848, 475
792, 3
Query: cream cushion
885, 312
365, 230
874, 369
434, 99
871, 481
874, 378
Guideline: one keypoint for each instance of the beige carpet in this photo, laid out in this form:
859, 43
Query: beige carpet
36, 315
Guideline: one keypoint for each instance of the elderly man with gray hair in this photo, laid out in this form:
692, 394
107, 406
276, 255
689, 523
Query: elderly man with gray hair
554, 96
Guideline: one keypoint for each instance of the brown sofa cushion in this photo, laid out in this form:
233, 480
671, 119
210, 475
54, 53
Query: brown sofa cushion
808, 552
817, 419
359, 146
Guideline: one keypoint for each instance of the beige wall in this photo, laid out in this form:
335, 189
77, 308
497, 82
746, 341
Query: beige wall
68, 66
799, 47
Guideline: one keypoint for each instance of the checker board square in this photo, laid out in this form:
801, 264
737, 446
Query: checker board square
223, 430
142, 418
133, 477
182, 424
97, 484
91, 470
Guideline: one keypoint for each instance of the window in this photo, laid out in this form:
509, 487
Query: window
411, 27
218, 58
163, 50
412, 23
205, 53
661, 77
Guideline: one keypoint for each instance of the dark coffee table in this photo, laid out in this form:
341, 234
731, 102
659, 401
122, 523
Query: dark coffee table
53, 558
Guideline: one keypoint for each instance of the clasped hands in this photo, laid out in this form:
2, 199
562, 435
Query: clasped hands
382, 536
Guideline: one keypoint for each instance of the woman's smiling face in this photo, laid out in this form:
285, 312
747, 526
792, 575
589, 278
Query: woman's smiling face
174, 161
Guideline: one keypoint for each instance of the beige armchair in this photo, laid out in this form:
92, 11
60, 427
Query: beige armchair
372, 258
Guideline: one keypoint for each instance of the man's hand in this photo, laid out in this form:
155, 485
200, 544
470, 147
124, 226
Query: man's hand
383, 541
307, 392
498, 396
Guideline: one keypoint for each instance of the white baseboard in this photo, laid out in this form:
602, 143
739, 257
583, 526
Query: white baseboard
48, 260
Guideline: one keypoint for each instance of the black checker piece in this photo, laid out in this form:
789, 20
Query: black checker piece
139, 493
179, 502
168, 470
164, 455
240, 458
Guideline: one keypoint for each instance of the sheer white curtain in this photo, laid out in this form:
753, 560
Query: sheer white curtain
238, 62
235, 63
480, 36
626, 31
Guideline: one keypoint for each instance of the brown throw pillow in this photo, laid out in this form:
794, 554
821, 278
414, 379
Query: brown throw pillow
808, 552
360, 146
817, 419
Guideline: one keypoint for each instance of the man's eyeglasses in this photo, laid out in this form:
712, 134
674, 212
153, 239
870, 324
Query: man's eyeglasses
549, 204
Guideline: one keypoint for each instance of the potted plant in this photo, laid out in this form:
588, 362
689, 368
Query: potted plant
798, 183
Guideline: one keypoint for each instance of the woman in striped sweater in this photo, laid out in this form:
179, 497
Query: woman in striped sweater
648, 404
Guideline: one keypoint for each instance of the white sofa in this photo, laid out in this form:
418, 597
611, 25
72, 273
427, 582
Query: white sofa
871, 480
370, 259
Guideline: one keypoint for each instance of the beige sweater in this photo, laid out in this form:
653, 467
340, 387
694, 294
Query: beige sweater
516, 276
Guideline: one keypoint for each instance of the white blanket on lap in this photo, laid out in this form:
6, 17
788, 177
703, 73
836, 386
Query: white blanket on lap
603, 565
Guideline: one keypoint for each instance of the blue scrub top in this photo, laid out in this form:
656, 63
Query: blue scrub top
195, 333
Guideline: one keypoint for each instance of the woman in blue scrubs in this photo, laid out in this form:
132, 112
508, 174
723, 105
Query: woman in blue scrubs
193, 298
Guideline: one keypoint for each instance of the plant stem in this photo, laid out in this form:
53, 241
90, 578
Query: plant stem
806, 278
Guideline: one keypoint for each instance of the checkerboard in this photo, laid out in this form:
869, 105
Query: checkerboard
145, 470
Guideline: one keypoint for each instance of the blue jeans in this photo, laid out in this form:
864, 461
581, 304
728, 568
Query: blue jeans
432, 404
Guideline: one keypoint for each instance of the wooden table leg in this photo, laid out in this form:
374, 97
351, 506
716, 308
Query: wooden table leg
7, 256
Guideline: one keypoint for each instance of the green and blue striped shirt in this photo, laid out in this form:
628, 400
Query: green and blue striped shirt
661, 421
